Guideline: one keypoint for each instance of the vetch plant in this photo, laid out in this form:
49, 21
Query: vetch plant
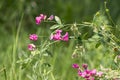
86, 73
84, 36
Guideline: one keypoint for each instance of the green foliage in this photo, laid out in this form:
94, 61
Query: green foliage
57, 19
95, 42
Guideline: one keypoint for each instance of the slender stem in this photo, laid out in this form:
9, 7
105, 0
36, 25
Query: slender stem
49, 45
2, 70
76, 25
5, 74
108, 14
53, 78
15, 45
50, 21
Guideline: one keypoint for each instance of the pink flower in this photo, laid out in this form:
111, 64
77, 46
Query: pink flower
65, 37
33, 37
58, 36
42, 16
87, 71
80, 73
58, 31
93, 72
92, 78
85, 74
39, 18
84, 66
51, 17
75, 66
31, 47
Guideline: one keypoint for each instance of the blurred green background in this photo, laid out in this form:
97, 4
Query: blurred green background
69, 11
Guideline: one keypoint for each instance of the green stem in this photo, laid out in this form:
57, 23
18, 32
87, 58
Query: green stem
53, 78
15, 50
76, 25
5, 74
50, 21
108, 14
2, 70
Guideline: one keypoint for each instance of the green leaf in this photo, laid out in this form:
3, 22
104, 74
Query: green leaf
79, 40
97, 45
35, 52
57, 19
54, 26
115, 59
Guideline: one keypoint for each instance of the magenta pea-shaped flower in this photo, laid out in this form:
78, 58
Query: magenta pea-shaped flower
84, 66
33, 37
75, 66
65, 37
51, 17
39, 18
58, 36
31, 47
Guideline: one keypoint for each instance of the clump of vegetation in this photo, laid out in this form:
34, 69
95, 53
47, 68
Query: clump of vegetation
61, 50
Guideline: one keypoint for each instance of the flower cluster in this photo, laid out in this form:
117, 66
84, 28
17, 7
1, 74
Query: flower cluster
42, 17
86, 73
58, 36
32, 37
